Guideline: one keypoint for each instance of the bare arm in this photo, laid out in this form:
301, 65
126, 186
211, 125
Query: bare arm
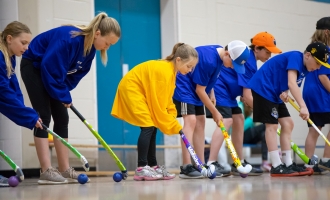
247, 97
325, 81
200, 90
296, 93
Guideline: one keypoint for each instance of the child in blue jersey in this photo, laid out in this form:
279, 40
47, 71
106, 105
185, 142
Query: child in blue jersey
270, 87
228, 87
318, 103
196, 88
52, 66
14, 41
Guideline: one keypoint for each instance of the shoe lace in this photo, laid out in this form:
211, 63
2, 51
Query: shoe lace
163, 170
150, 170
72, 172
217, 165
53, 172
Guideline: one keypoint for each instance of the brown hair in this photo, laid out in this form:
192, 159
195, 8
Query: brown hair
321, 36
182, 50
13, 29
101, 22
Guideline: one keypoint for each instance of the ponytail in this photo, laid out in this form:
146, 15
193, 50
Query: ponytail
101, 22
182, 50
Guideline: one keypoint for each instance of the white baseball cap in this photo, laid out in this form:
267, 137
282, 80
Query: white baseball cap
239, 53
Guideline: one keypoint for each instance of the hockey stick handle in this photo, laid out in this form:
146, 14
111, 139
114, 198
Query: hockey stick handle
77, 113
309, 121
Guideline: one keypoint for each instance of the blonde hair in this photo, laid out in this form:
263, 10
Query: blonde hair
101, 22
13, 29
182, 50
321, 36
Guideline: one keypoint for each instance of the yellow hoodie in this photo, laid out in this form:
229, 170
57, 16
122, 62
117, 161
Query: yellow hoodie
144, 97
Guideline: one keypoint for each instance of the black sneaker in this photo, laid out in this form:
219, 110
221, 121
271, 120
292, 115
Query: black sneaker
253, 172
324, 165
282, 171
220, 170
319, 171
189, 172
4, 181
301, 170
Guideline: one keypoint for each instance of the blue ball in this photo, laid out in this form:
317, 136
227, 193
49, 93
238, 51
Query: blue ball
117, 177
213, 175
82, 178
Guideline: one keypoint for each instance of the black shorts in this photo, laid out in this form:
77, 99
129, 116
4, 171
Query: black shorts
188, 109
266, 111
319, 119
226, 112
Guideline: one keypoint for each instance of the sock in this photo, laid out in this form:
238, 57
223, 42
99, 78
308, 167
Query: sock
242, 161
210, 162
286, 157
275, 158
325, 159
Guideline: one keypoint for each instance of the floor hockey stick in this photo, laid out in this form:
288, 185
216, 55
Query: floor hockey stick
103, 143
313, 160
237, 162
210, 172
310, 122
17, 169
74, 150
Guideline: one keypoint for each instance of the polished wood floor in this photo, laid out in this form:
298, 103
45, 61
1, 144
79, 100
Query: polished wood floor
101, 188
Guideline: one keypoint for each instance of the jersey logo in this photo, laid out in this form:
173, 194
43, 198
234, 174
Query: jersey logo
274, 113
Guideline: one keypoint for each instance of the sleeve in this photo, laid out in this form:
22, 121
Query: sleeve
294, 62
323, 71
72, 80
54, 68
201, 74
11, 102
171, 108
164, 119
14, 84
243, 79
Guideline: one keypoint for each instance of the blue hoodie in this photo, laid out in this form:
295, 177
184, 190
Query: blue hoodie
11, 98
60, 58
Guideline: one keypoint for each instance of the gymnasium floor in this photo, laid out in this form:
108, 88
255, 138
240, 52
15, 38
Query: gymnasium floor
102, 188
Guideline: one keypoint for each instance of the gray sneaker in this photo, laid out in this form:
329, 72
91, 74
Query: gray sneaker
3, 181
51, 177
324, 165
71, 175
165, 174
147, 173
220, 170
190, 172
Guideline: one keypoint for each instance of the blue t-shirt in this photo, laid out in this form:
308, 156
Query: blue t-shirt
319, 100
230, 84
60, 58
272, 78
205, 73
11, 98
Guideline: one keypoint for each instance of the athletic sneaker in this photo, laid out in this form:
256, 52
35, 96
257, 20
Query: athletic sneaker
51, 177
301, 170
146, 173
189, 172
164, 173
324, 165
282, 171
220, 170
319, 171
71, 175
253, 172
3, 181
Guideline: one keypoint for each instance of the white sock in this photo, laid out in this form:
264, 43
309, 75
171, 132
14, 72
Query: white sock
286, 157
210, 162
325, 159
275, 158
